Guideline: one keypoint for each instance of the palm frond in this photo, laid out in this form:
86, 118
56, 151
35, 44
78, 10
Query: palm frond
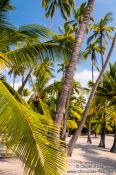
30, 137
54, 49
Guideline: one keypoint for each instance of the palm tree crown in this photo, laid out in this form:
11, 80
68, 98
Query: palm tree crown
102, 31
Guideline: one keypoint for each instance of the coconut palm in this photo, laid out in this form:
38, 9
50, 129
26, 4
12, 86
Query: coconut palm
113, 149
42, 73
91, 51
5, 6
72, 108
15, 71
107, 91
102, 31
72, 65
97, 124
78, 14
32, 37
91, 115
93, 91
75, 106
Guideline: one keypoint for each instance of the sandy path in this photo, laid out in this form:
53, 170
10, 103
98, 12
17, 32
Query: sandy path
86, 159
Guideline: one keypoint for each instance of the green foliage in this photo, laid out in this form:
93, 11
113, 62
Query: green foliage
51, 6
26, 92
105, 101
30, 137
107, 89
101, 30
71, 124
5, 6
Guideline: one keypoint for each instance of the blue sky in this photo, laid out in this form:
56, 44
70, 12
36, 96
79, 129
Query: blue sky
30, 11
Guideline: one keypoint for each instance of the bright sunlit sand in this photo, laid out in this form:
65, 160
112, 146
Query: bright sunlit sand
86, 159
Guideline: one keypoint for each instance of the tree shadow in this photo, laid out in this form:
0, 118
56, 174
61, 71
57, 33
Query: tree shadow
91, 155
91, 148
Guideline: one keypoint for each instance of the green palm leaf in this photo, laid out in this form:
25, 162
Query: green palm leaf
28, 137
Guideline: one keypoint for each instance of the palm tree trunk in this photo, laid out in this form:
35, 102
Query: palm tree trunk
103, 132
95, 135
113, 149
101, 45
89, 140
63, 136
92, 72
22, 78
13, 81
72, 65
78, 131
24, 83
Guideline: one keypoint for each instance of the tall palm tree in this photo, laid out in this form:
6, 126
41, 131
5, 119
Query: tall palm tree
91, 51
113, 149
42, 73
107, 91
93, 91
5, 7
72, 65
91, 115
31, 53
78, 15
15, 71
102, 31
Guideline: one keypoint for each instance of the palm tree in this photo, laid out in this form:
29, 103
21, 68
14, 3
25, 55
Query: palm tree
31, 53
42, 73
107, 91
91, 51
113, 149
91, 115
78, 15
75, 88
75, 106
72, 65
78, 131
15, 71
102, 32
5, 6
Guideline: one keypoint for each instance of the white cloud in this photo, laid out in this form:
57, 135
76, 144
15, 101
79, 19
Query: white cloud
84, 76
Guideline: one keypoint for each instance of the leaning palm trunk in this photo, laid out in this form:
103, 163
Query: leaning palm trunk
101, 45
113, 149
89, 140
103, 133
72, 65
78, 131
13, 81
92, 72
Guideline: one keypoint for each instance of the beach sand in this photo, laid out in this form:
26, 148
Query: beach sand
86, 160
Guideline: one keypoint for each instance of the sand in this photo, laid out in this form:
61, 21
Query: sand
87, 159
92, 160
